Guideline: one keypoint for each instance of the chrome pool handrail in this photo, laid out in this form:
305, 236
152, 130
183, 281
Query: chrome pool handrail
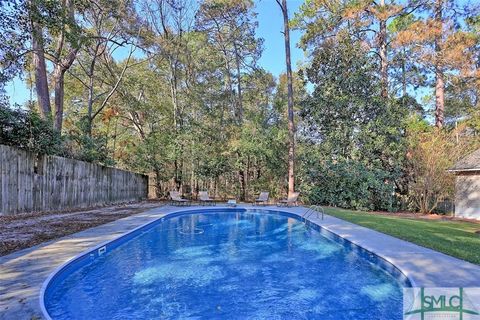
313, 210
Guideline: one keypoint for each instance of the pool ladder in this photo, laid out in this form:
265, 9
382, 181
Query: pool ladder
313, 210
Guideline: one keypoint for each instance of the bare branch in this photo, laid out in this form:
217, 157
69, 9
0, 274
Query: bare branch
110, 94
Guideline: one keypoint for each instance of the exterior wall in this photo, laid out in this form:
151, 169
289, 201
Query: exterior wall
29, 182
467, 196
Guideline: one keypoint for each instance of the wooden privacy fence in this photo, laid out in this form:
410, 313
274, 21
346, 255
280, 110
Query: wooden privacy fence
30, 182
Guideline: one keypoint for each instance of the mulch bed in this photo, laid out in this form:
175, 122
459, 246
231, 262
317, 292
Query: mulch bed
26, 230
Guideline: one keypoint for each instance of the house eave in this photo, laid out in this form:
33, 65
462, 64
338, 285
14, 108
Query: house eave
470, 170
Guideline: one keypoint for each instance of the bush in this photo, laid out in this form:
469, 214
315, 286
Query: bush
351, 185
26, 130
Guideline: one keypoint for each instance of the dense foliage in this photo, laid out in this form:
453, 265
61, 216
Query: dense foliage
352, 184
358, 137
368, 138
25, 129
174, 89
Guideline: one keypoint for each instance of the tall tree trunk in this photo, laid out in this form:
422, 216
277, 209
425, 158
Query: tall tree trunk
439, 97
228, 83
174, 91
243, 187
291, 124
382, 39
439, 76
229, 86
59, 79
59, 76
176, 175
40, 68
404, 74
90, 98
239, 85
158, 184
62, 65
477, 90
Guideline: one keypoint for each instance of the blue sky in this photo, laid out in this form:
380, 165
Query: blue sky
270, 25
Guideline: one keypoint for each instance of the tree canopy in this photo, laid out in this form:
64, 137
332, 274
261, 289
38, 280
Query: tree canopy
174, 89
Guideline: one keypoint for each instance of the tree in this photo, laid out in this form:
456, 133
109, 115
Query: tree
53, 23
439, 73
382, 47
441, 46
68, 42
406, 72
172, 114
431, 152
96, 69
348, 124
173, 88
365, 21
13, 40
170, 24
38, 60
291, 124
230, 27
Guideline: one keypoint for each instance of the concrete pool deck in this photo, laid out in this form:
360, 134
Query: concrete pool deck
23, 273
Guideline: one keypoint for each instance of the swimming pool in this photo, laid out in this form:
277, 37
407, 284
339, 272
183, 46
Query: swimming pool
226, 264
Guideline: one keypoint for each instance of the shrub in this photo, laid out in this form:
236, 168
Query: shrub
352, 185
26, 130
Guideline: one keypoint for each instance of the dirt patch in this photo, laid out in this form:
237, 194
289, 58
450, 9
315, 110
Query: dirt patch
25, 230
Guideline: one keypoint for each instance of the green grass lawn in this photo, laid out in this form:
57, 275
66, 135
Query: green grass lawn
455, 238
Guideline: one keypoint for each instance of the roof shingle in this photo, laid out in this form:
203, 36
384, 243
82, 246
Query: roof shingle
469, 163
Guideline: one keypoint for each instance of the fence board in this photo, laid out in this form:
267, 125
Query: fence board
30, 183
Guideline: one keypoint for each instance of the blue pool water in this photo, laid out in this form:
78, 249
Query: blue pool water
234, 264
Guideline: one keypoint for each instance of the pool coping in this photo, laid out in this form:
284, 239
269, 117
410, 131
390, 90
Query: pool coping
443, 270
